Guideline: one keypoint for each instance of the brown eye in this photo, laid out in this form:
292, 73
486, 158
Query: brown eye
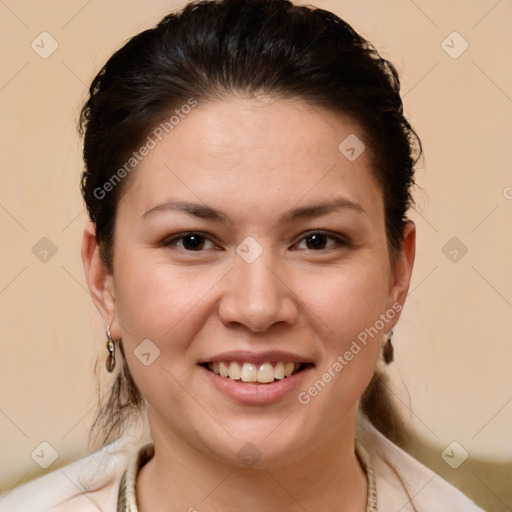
318, 241
189, 242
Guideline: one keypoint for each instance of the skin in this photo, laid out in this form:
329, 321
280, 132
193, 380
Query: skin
253, 159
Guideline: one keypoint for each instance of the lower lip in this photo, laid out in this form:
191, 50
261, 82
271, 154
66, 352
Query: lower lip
254, 393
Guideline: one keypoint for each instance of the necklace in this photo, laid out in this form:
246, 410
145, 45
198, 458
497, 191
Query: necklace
126, 500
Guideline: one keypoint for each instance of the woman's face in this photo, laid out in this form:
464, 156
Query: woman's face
287, 263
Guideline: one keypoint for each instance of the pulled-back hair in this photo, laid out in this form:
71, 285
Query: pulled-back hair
212, 50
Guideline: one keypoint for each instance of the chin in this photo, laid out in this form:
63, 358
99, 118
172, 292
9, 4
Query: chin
264, 444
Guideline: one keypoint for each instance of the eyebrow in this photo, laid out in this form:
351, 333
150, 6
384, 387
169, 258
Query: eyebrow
203, 211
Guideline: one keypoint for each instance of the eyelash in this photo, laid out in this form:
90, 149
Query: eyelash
339, 241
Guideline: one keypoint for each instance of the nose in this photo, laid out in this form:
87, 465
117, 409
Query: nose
257, 295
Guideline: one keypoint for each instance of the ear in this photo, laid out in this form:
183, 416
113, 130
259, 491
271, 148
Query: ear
401, 272
99, 281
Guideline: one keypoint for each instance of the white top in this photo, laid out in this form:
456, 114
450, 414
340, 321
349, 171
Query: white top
92, 483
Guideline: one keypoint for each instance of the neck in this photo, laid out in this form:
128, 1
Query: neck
181, 478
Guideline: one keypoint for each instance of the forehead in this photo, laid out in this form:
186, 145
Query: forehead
263, 153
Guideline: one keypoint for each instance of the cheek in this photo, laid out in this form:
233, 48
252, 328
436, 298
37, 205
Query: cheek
348, 301
346, 307
160, 301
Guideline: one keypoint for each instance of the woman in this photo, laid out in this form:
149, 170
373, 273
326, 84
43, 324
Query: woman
248, 175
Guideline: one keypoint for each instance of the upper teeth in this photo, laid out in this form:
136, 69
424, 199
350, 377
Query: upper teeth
249, 372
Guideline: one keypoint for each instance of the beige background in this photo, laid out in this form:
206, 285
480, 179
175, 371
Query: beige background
453, 347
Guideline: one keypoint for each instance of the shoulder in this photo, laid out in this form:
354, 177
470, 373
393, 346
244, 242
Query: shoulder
88, 484
403, 483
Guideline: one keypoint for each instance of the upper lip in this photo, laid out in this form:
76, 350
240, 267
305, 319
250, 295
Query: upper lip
257, 357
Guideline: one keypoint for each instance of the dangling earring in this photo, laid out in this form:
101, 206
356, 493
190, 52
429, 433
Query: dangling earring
111, 347
387, 348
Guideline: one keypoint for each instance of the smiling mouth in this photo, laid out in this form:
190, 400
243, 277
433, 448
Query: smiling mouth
264, 373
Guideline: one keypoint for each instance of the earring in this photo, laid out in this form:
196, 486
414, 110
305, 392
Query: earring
387, 348
111, 347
